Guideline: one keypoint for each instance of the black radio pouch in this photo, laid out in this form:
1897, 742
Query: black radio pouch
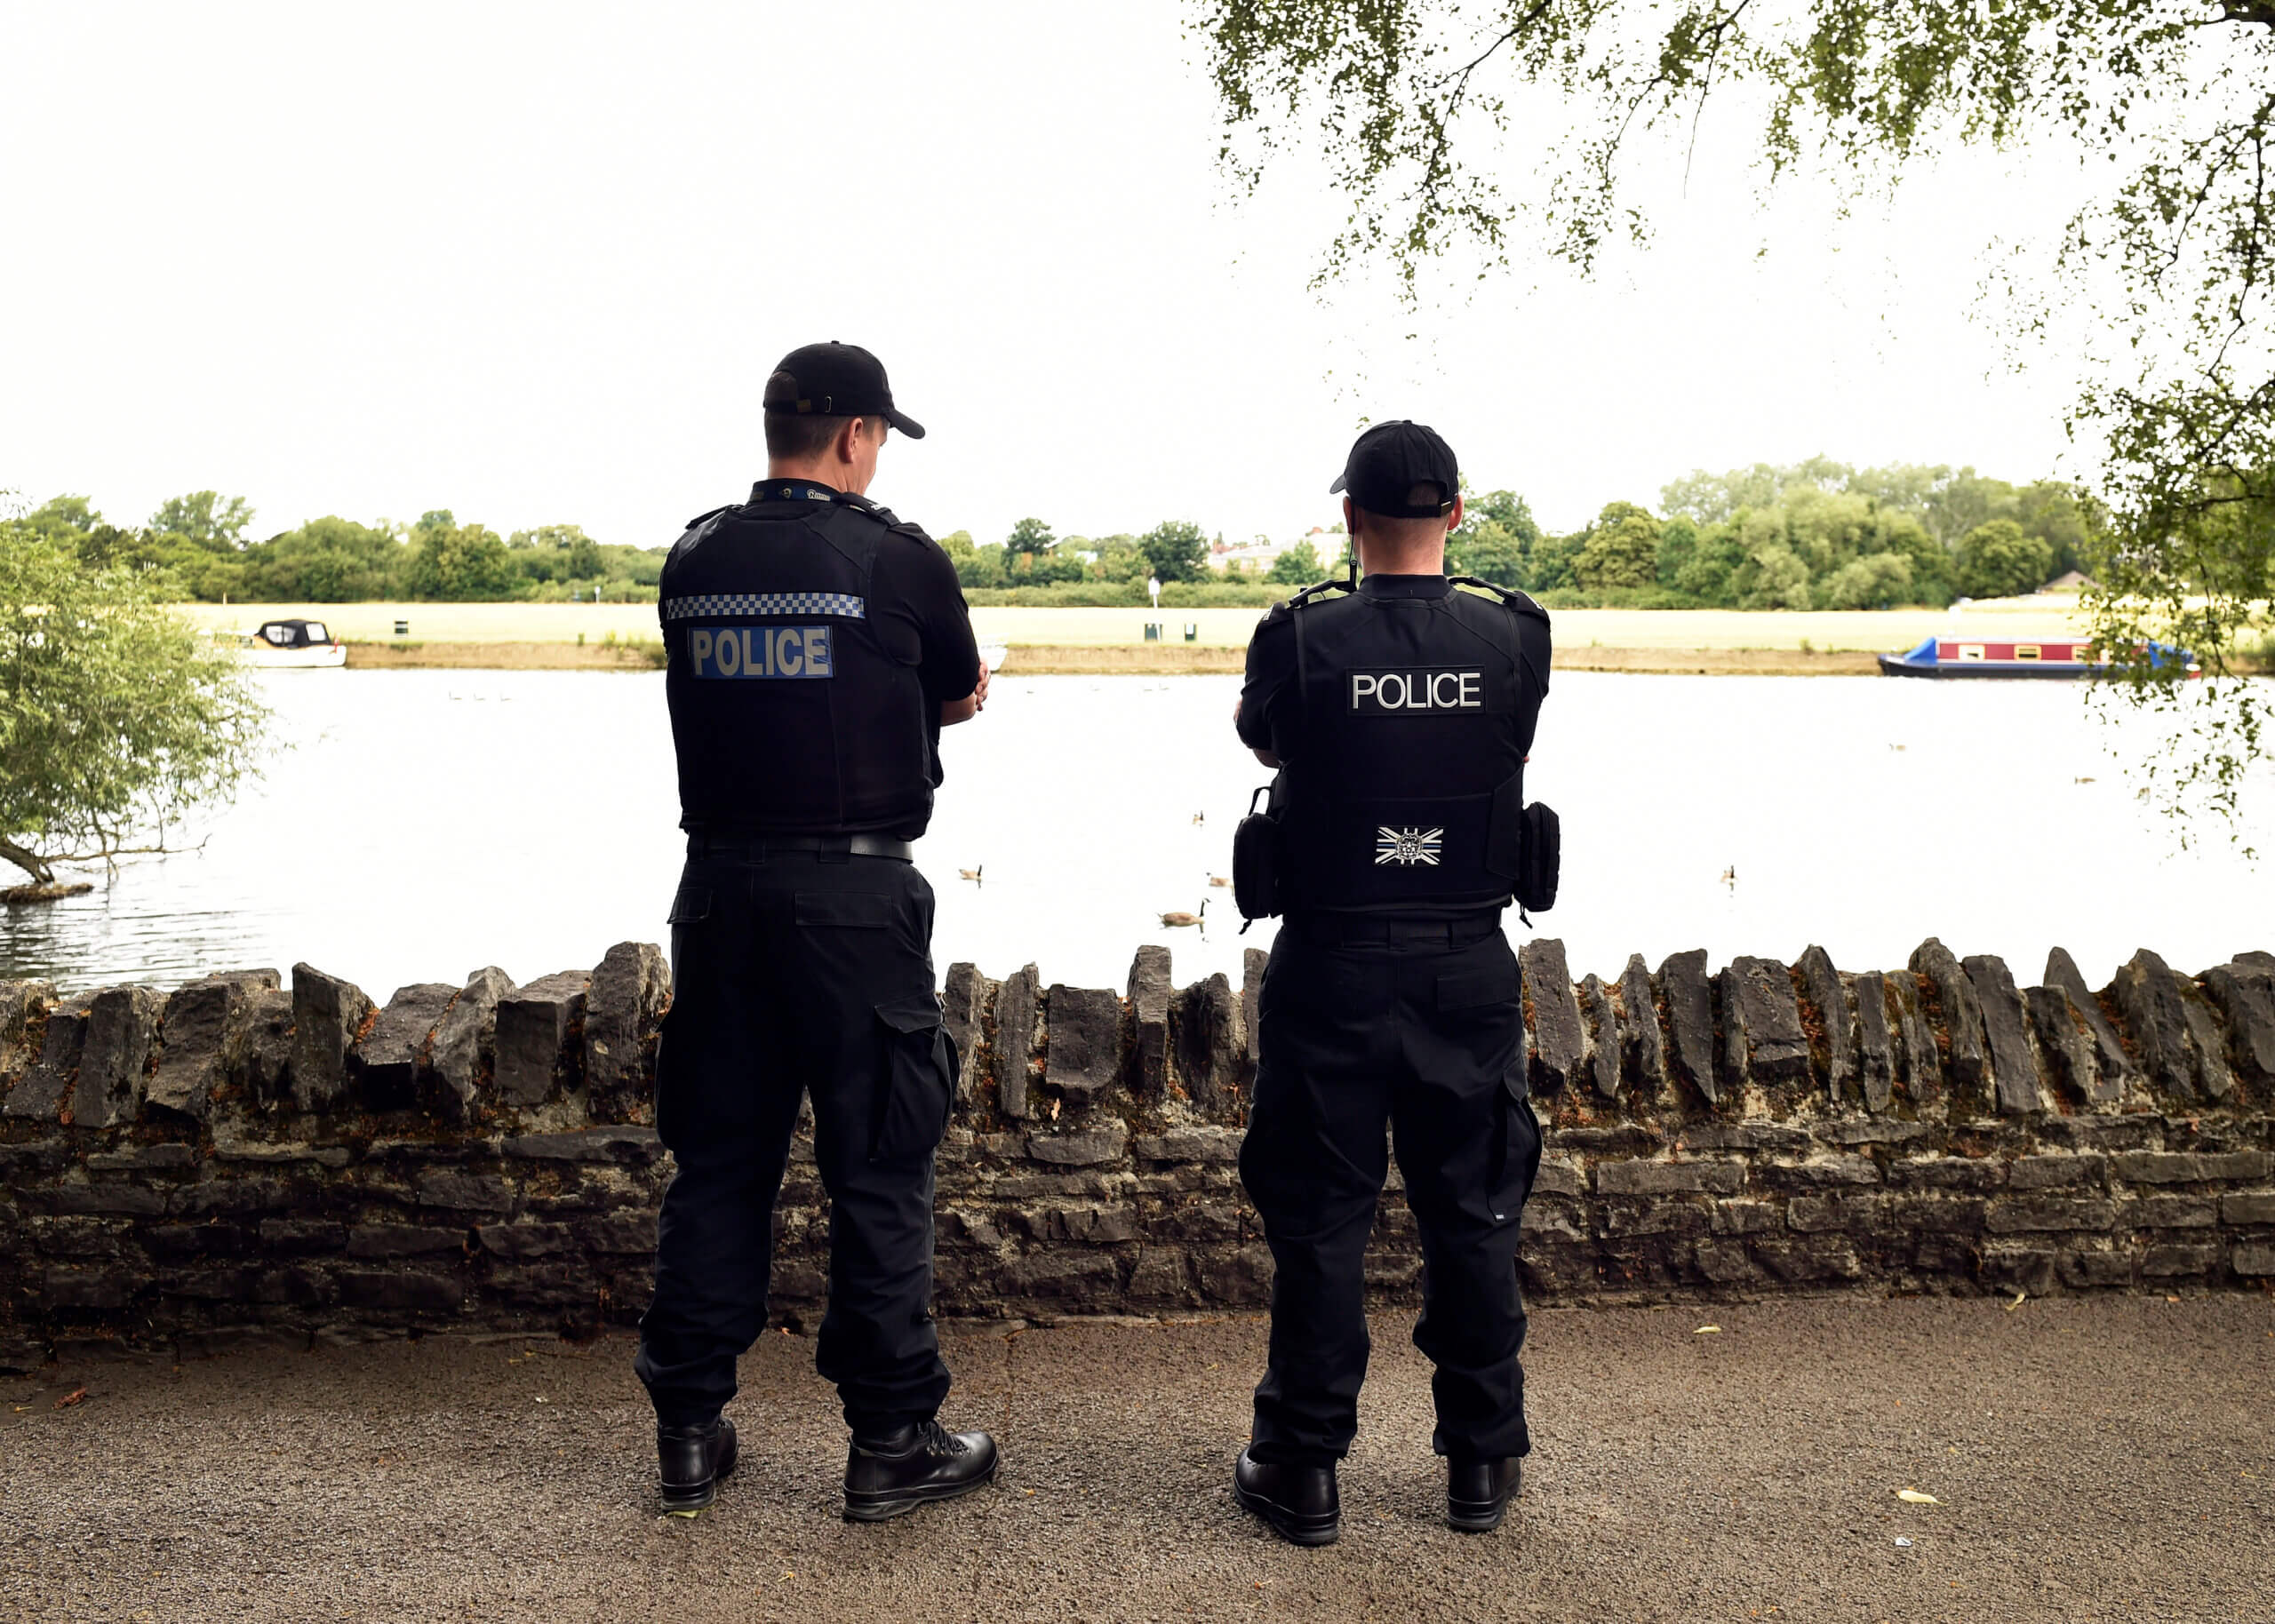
1256, 857
1538, 858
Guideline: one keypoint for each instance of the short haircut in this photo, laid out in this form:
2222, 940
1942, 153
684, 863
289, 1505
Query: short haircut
794, 436
1410, 532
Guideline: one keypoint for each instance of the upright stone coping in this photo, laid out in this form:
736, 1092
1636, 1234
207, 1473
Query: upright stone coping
206, 1025
233, 1159
329, 1018
535, 1057
631, 988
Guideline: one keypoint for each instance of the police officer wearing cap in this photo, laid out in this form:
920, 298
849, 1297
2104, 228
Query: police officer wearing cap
817, 645
1399, 711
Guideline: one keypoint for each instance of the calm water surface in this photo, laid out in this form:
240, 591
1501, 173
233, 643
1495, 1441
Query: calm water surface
414, 825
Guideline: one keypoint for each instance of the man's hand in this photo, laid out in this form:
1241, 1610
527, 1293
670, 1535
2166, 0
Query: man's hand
953, 711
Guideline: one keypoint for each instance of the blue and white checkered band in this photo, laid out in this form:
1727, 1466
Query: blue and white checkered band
1407, 847
712, 605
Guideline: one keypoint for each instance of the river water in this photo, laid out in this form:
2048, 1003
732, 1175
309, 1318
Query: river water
414, 825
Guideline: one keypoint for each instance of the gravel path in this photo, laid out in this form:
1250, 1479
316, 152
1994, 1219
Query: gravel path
2105, 1459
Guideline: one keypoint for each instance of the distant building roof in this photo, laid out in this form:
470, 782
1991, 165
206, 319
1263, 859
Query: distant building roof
2069, 580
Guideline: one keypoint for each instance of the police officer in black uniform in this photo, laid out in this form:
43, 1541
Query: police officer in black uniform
1400, 714
818, 645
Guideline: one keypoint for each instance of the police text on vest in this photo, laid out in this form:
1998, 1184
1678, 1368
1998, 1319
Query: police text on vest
1398, 693
759, 651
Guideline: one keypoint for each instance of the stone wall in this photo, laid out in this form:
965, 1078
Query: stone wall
234, 1160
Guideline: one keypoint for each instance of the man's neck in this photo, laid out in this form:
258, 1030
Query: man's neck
811, 472
1375, 560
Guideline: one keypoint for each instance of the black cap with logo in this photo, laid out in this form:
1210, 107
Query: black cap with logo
1389, 460
835, 380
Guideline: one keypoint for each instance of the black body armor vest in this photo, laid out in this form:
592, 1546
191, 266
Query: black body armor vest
789, 714
1404, 784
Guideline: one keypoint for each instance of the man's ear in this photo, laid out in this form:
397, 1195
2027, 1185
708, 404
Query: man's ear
1453, 520
847, 442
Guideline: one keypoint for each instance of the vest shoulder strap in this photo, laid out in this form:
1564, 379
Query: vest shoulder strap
1315, 594
703, 522
1512, 599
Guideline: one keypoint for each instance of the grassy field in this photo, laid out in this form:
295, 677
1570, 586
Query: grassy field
1612, 632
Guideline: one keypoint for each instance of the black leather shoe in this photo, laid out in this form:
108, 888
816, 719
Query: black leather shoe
1298, 1501
693, 1459
895, 1473
1478, 1492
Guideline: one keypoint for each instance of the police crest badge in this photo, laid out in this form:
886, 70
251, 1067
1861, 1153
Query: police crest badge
1407, 847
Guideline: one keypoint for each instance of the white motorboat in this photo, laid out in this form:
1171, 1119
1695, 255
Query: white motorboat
289, 645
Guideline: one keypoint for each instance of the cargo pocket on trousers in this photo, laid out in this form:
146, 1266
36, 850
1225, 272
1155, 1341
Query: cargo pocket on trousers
1520, 1144
691, 906
915, 1082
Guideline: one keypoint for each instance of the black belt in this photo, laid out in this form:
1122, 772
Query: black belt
1383, 930
832, 848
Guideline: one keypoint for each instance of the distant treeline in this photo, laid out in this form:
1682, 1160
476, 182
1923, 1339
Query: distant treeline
1811, 535
199, 540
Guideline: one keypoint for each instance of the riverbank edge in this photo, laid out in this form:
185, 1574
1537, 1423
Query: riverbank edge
1137, 659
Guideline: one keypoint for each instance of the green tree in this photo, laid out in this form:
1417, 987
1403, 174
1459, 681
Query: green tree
330, 559
1998, 560
115, 717
2062, 516
201, 539
72, 522
1030, 536
1710, 574
1772, 578
1495, 539
204, 517
1550, 565
1934, 579
1408, 103
1121, 558
1490, 551
1677, 546
1621, 549
451, 562
558, 553
1298, 566
1881, 581
1175, 550
978, 566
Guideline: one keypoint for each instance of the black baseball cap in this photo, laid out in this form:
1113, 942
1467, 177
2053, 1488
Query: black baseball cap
835, 380
1389, 460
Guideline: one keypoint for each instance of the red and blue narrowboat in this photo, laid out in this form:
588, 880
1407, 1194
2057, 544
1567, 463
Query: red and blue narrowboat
2045, 656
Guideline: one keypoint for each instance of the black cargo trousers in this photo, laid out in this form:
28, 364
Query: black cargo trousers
797, 972
1370, 1023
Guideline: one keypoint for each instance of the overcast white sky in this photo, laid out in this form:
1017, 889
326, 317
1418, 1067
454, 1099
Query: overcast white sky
534, 263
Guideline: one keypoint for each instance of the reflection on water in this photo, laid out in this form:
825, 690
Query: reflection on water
417, 824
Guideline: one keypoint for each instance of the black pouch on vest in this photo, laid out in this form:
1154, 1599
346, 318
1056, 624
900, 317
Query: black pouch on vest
1540, 858
1256, 857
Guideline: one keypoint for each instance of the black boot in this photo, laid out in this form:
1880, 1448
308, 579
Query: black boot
897, 1471
1478, 1493
693, 1459
1299, 1501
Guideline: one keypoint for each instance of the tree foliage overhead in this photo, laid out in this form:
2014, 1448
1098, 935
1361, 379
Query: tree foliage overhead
114, 717
1410, 102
